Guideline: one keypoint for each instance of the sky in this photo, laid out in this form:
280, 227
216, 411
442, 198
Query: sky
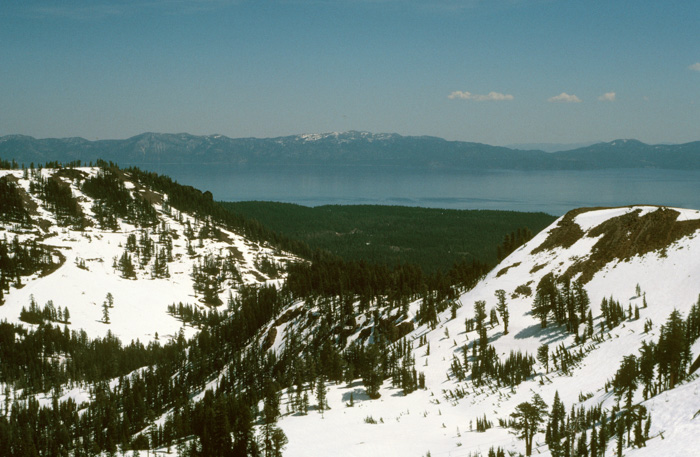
491, 71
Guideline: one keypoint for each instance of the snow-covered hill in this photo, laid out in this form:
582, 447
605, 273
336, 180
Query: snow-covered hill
87, 258
441, 420
645, 258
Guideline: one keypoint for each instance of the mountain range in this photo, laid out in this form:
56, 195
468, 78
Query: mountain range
348, 149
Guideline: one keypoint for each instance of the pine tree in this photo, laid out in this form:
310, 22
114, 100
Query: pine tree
589, 324
527, 419
479, 313
126, 266
603, 435
543, 356
105, 313
305, 403
647, 362
673, 350
556, 426
372, 378
582, 446
625, 381
594, 443
502, 308
322, 403
620, 434
278, 441
541, 308
493, 318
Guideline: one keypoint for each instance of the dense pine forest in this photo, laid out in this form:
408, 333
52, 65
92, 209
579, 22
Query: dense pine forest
433, 239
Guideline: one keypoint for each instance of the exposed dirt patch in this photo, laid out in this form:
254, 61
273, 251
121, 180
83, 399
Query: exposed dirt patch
222, 236
269, 339
123, 176
630, 235
236, 253
70, 173
61, 183
503, 271
289, 315
154, 198
565, 234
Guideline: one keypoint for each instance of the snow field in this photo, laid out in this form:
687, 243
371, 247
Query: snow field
428, 420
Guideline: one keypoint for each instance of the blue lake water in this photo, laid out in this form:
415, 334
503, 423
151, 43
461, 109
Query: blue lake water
554, 192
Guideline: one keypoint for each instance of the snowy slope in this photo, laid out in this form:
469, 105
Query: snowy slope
435, 421
613, 251
140, 305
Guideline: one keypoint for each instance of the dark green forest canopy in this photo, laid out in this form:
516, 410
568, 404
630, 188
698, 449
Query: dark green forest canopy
432, 238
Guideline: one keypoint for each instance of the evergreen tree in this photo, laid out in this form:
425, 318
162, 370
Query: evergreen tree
581, 299
527, 419
620, 435
647, 362
555, 426
673, 350
543, 356
479, 313
126, 266
493, 318
625, 381
603, 435
502, 308
372, 377
541, 308
105, 313
322, 403
594, 443
582, 446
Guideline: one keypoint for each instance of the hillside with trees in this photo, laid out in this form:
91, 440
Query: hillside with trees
140, 316
434, 239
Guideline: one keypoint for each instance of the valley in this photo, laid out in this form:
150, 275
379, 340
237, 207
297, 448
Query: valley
194, 331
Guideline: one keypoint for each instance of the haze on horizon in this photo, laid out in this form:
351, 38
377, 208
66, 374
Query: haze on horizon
498, 72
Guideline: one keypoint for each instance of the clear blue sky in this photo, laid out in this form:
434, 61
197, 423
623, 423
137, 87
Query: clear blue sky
492, 71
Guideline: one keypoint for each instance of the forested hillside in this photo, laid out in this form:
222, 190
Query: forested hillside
434, 239
139, 316
135, 255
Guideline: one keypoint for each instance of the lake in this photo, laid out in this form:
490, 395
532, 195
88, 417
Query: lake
553, 192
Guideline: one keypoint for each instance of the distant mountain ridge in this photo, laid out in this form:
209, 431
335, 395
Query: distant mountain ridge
347, 149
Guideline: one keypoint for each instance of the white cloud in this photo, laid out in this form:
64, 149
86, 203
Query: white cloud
564, 98
695, 66
491, 96
607, 97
